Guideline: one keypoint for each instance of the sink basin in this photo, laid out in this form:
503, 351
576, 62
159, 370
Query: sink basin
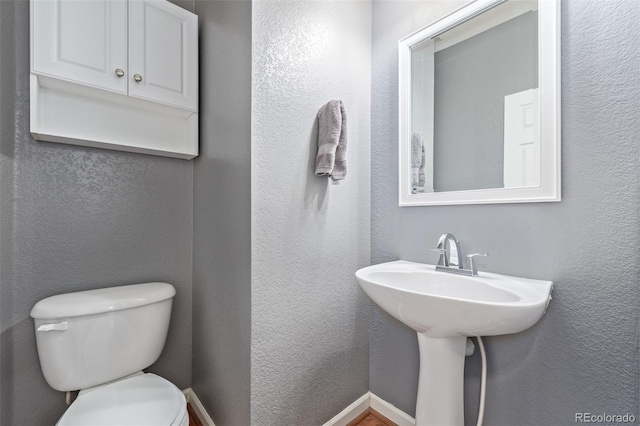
440, 304
444, 309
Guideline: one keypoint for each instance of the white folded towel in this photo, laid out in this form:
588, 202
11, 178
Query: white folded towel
417, 162
332, 141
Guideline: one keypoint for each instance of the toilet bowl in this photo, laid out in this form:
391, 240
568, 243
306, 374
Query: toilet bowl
141, 399
97, 342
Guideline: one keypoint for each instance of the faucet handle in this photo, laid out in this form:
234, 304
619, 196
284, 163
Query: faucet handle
443, 261
472, 255
471, 265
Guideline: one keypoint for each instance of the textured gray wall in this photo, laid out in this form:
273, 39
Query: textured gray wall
7, 133
222, 214
309, 354
76, 218
583, 355
471, 80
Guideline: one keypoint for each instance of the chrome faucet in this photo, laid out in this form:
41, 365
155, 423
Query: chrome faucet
451, 255
449, 248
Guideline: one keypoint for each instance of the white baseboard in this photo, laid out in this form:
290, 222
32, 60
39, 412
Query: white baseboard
369, 400
349, 414
391, 412
197, 406
359, 406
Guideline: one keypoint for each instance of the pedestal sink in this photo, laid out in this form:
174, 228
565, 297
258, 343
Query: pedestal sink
444, 309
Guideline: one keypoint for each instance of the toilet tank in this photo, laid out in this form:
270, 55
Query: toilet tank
92, 337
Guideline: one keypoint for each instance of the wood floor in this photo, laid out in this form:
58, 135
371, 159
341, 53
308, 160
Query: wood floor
371, 418
193, 417
368, 418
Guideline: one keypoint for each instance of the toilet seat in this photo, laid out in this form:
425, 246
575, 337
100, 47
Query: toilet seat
142, 399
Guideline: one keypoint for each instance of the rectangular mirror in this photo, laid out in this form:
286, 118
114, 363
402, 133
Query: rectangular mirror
479, 106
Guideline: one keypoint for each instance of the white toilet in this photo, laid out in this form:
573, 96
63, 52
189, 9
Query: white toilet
98, 342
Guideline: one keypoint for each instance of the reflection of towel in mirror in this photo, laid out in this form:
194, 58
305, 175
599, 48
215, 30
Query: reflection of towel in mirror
332, 141
417, 161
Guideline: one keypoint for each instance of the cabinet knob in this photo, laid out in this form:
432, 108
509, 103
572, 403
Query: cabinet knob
137, 77
120, 72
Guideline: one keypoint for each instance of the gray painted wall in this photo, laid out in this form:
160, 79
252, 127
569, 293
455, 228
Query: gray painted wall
74, 218
309, 354
222, 214
583, 355
7, 133
471, 80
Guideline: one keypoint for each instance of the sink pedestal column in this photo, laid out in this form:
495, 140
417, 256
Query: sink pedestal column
441, 383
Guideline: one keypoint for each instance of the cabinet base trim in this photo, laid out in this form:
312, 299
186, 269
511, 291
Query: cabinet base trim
64, 112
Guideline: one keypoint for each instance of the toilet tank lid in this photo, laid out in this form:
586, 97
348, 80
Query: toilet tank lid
101, 300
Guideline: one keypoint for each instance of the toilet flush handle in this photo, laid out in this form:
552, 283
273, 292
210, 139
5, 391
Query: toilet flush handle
59, 326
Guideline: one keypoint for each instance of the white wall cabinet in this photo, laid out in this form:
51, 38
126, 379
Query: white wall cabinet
81, 41
164, 65
116, 74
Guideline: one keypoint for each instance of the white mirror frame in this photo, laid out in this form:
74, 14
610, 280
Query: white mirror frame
549, 112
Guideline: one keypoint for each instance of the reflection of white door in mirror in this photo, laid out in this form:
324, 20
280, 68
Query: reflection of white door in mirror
521, 140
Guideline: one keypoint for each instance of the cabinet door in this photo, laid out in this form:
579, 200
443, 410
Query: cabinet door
81, 41
163, 53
